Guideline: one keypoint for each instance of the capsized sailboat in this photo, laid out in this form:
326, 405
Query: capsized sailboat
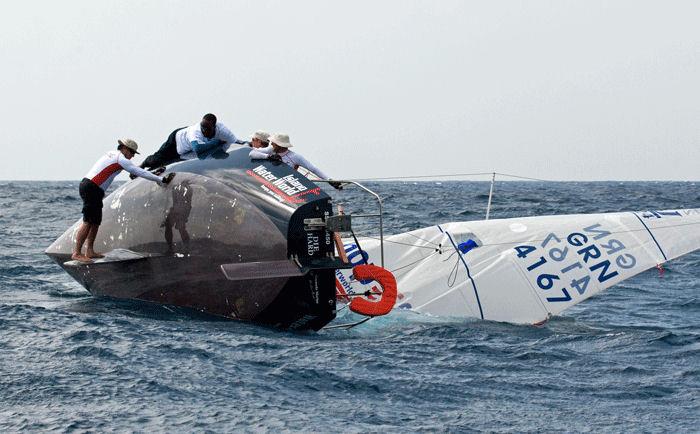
520, 270
253, 243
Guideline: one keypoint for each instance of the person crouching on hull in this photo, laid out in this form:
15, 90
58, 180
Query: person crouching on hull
259, 139
92, 191
279, 151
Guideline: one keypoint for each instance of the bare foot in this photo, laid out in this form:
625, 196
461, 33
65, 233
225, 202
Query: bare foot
94, 255
80, 257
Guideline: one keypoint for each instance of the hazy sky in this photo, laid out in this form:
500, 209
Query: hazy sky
565, 90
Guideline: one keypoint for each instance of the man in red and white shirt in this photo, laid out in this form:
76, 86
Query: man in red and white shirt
92, 191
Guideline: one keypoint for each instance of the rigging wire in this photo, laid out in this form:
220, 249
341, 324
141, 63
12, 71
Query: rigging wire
359, 247
421, 176
523, 177
451, 175
414, 262
403, 244
452, 277
423, 239
348, 326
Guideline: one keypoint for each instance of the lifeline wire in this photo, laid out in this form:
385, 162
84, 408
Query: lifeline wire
452, 175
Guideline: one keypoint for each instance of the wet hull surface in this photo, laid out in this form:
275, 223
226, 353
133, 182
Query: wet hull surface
167, 244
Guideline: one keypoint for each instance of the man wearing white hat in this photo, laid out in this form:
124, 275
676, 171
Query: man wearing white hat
279, 151
260, 139
92, 191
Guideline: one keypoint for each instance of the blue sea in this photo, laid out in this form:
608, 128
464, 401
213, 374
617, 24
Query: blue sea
627, 360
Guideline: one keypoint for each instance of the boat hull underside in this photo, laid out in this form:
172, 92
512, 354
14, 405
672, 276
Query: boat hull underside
295, 303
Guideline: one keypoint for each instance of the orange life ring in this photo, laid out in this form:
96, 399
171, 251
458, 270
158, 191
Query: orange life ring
387, 297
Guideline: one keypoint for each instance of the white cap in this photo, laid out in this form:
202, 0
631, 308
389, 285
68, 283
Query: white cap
280, 140
260, 135
129, 144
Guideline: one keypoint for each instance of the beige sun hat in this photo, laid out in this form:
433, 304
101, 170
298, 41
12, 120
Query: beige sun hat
131, 144
280, 140
260, 135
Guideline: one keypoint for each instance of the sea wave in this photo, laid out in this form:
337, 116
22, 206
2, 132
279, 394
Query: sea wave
625, 360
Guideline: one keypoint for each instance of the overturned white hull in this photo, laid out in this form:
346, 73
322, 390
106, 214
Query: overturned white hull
524, 270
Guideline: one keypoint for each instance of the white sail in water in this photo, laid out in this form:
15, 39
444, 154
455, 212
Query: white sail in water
524, 269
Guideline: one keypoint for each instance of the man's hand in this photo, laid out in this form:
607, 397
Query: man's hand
335, 184
167, 178
275, 158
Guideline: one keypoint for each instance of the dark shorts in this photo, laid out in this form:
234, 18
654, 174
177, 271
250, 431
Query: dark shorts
165, 155
92, 196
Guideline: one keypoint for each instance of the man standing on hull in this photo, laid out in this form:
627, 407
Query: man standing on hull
200, 140
92, 191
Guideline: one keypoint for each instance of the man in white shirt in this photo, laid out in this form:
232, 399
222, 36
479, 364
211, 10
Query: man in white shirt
279, 151
259, 139
92, 191
204, 139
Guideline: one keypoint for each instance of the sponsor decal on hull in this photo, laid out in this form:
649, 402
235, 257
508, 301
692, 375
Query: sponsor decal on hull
285, 189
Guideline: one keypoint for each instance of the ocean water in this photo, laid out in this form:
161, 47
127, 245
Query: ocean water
626, 360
